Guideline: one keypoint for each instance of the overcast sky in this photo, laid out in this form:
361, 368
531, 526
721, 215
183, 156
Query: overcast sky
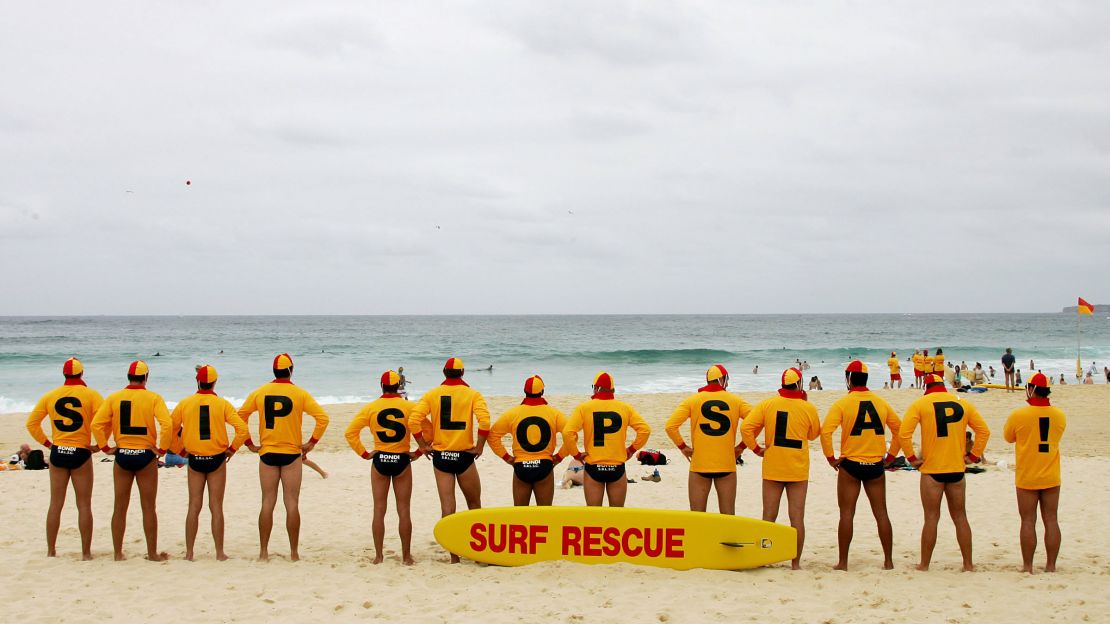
562, 157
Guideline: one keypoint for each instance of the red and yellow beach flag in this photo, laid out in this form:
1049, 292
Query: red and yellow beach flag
1085, 308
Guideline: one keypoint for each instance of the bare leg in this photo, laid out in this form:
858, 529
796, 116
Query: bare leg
217, 482
59, 484
772, 498
147, 480
796, 507
847, 493
82, 479
1050, 502
1027, 501
402, 491
698, 487
471, 485
445, 484
379, 487
268, 478
192, 516
617, 491
876, 495
545, 490
593, 490
291, 495
122, 480
956, 495
726, 494
931, 493
313, 465
522, 492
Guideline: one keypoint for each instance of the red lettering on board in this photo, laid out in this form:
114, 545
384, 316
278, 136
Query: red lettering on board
591, 542
537, 536
478, 537
674, 543
572, 537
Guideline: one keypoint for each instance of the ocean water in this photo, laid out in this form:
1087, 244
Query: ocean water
339, 358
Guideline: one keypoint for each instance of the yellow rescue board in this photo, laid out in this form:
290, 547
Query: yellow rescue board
513, 536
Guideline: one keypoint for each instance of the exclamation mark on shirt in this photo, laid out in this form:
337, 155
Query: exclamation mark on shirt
1043, 422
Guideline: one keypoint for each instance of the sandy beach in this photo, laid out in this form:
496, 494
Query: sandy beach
336, 579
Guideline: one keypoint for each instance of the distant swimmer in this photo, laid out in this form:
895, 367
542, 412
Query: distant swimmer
1017, 378
402, 387
281, 407
1008, 362
895, 370
714, 414
533, 426
159, 354
486, 369
944, 421
138, 421
755, 371
453, 407
788, 422
918, 367
815, 383
1037, 430
200, 424
864, 419
387, 418
71, 407
604, 421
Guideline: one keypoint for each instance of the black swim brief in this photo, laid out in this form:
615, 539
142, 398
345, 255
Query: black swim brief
947, 477
134, 460
454, 462
533, 470
69, 457
864, 471
207, 463
713, 475
390, 464
605, 474
278, 460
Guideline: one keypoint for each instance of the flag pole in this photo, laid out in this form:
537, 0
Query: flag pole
1078, 348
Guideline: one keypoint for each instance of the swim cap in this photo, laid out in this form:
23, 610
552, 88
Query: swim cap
390, 378
206, 374
715, 373
1039, 380
856, 366
138, 368
604, 380
72, 367
283, 361
933, 379
454, 364
791, 376
533, 385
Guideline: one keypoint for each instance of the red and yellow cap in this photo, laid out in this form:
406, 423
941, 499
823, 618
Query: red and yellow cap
390, 378
603, 380
206, 374
932, 379
533, 385
1039, 380
791, 376
138, 368
453, 364
893, 354
856, 366
283, 361
715, 373
72, 367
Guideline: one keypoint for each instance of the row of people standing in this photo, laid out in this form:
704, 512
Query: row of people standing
451, 424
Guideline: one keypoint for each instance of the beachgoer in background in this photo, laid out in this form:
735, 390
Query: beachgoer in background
918, 367
200, 425
789, 422
605, 422
533, 426
953, 376
755, 371
815, 383
71, 408
1089, 379
308, 463
140, 424
574, 473
1008, 361
944, 421
19, 457
402, 387
895, 369
977, 375
714, 414
454, 408
387, 418
1031, 366
1017, 378
281, 407
864, 419
1063, 382
805, 365
1037, 430
1106, 371
991, 372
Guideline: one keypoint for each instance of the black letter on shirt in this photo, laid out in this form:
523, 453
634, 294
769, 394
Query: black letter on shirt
605, 422
522, 434
867, 418
780, 432
392, 422
205, 423
276, 407
64, 406
445, 421
714, 411
947, 412
125, 427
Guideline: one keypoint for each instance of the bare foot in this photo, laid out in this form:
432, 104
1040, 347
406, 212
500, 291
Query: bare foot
969, 567
294, 556
162, 556
50, 552
922, 567
120, 557
1027, 569
1051, 567
263, 555
221, 556
86, 556
843, 565
377, 559
408, 560
888, 565
455, 559
188, 556
324, 474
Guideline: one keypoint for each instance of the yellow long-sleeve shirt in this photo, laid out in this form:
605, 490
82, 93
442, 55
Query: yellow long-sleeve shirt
894, 365
789, 422
533, 426
136, 417
1037, 430
938, 363
944, 420
71, 408
281, 407
200, 424
605, 422
714, 414
866, 418
387, 418
918, 362
453, 407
